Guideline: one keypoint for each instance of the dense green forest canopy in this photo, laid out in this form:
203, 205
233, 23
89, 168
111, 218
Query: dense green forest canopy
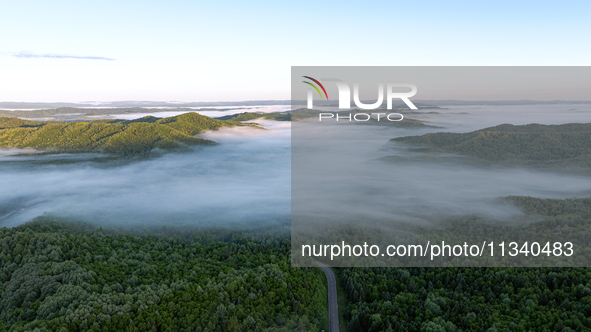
532, 144
72, 277
69, 277
480, 298
110, 136
468, 299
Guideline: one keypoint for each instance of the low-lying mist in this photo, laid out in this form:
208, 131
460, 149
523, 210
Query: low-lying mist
248, 180
339, 173
244, 181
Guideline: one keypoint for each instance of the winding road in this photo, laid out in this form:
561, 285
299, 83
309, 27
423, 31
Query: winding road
333, 309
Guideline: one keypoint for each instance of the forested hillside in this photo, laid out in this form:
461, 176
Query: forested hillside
533, 144
481, 299
110, 136
68, 277
468, 299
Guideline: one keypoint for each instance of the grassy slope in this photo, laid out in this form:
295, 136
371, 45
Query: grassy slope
118, 137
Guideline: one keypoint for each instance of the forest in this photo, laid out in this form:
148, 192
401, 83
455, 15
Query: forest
59, 276
534, 145
119, 137
69, 276
479, 298
468, 299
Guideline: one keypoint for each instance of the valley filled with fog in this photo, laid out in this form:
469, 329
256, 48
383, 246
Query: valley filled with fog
243, 181
246, 180
351, 173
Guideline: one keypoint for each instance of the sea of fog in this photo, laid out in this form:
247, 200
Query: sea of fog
211, 111
223, 111
246, 180
339, 172
242, 181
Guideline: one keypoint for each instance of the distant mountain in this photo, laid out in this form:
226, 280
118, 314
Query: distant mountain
119, 137
309, 113
533, 144
279, 116
168, 104
76, 113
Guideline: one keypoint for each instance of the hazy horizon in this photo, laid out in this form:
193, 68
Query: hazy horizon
266, 102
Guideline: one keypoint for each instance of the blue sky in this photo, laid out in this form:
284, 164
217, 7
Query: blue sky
214, 51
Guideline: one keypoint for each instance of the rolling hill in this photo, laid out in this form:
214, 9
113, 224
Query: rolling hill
531, 145
110, 136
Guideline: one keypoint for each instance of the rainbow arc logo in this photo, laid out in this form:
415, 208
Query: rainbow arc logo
316, 87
